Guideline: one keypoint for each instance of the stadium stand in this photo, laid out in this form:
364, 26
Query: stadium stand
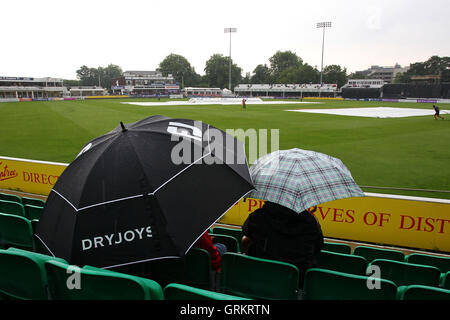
176, 291
99, 284
286, 90
33, 212
443, 263
32, 88
337, 247
16, 231
372, 253
234, 232
446, 281
10, 197
404, 274
323, 284
257, 278
12, 207
229, 241
33, 202
23, 275
342, 262
198, 269
417, 292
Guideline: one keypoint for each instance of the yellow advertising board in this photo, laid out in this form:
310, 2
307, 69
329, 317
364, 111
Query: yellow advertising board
29, 176
421, 223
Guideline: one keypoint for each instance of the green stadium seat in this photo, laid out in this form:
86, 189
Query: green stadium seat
234, 232
257, 278
33, 202
229, 241
16, 231
417, 292
346, 263
98, 284
446, 281
10, 197
405, 274
321, 284
11, 207
33, 212
337, 247
442, 263
22, 274
198, 268
176, 291
371, 253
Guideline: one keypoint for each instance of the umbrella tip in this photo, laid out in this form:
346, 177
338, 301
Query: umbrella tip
123, 127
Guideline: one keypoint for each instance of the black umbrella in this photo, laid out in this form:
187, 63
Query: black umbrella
144, 191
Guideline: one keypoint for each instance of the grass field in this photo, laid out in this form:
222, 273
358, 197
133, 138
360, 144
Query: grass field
404, 152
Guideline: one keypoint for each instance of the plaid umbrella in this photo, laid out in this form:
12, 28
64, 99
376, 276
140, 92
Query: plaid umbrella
300, 179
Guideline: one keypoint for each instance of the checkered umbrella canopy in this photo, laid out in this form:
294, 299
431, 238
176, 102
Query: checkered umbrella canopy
300, 179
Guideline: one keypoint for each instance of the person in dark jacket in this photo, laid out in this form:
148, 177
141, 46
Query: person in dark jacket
279, 233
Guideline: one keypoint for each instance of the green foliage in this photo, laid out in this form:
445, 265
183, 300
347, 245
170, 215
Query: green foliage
435, 65
181, 70
217, 72
98, 76
335, 74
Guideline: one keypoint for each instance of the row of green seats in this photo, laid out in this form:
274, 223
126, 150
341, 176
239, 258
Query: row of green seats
27, 275
16, 231
321, 284
28, 211
368, 253
22, 200
31, 276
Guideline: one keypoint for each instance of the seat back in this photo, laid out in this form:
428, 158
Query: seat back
10, 197
67, 282
33, 212
323, 284
404, 274
446, 281
443, 263
198, 268
16, 231
258, 278
12, 207
229, 241
22, 274
176, 291
342, 262
417, 292
234, 232
337, 247
33, 202
371, 253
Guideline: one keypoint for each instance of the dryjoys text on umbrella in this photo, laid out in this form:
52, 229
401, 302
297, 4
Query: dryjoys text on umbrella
116, 238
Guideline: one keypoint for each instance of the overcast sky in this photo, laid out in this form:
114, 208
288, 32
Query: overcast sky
54, 38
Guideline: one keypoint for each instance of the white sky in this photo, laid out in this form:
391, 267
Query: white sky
54, 38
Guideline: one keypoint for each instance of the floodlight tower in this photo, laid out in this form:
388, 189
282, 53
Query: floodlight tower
323, 25
230, 30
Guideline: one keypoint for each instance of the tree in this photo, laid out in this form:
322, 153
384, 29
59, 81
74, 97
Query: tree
261, 75
98, 76
435, 65
357, 75
282, 61
335, 74
217, 72
109, 73
181, 70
